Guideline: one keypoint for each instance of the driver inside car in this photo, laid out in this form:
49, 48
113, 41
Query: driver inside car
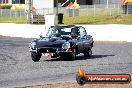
74, 32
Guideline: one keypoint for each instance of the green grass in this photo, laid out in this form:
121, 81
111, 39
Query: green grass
98, 20
117, 19
21, 20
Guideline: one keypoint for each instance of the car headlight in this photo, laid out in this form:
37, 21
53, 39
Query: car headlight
32, 45
66, 45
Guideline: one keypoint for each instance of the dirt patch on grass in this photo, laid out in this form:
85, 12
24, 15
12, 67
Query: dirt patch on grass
75, 85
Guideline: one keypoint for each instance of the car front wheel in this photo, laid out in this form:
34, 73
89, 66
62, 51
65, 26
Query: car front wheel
73, 55
88, 53
35, 56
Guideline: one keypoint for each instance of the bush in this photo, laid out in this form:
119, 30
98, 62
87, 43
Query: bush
3, 6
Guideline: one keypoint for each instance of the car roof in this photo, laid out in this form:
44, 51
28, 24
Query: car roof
63, 26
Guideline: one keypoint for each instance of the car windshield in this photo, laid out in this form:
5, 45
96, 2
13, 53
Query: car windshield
58, 32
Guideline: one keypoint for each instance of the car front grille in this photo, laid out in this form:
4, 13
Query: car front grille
47, 50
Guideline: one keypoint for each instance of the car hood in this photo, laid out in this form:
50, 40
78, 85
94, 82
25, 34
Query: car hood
55, 42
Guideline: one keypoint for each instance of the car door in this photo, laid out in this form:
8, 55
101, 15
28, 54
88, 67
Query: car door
77, 39
80, 44
83, 38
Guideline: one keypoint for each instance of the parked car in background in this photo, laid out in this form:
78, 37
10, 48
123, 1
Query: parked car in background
62, 41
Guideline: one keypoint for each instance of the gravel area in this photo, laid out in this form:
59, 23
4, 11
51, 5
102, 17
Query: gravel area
18, 70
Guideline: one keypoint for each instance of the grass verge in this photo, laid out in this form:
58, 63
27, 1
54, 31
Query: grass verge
99, 20
118, 19
21, 20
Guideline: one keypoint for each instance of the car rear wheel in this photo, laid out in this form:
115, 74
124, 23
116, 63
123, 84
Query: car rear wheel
35, 56
88, 53
73, 55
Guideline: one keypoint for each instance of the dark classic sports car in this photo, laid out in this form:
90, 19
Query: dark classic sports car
62, 41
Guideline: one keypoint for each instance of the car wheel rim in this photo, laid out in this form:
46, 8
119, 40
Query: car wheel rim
90, 52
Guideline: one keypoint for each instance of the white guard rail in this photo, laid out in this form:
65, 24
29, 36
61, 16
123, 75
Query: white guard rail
110, 32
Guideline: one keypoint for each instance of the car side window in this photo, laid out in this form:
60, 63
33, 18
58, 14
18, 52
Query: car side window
82, 32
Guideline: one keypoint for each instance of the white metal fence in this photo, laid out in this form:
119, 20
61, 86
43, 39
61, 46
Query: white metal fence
96, 10
85, 10
12, 13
